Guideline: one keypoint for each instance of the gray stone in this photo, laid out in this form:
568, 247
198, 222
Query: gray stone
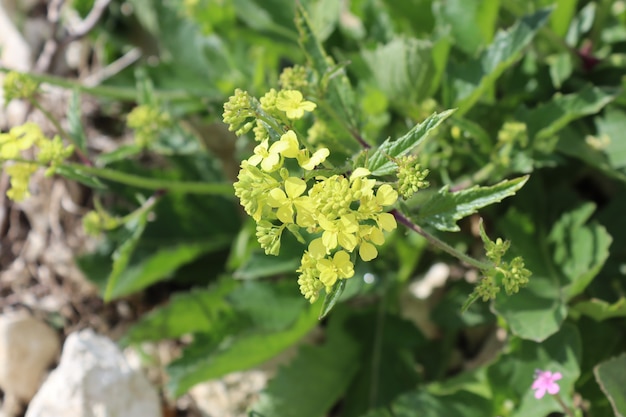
94, 379
27, 349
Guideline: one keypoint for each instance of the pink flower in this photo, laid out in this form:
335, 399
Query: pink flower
545, 381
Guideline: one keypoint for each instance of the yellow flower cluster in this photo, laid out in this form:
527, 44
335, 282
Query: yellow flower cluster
341, 215
147, 121
21, 138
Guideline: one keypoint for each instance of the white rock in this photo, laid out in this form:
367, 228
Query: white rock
94, 379
27, 349
15, 53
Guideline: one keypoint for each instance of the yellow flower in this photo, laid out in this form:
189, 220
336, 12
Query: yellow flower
336, 268
291, 201
367, 250
20, 173
293, 104
340, 231
290, 147
310, 162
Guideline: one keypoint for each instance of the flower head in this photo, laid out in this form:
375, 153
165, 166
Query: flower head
545, 382
293, 104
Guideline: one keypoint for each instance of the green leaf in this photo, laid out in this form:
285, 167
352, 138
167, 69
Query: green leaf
600, 310
472, 22
118, 154
444, 209
424, 404
512, 375
562, 16
612, 125
77, 175
561, 67
158, 266
75, 126
388, 365
235, 354
539, 309
403, 69
471, 80
121, 256
271, 306
611, 377
380, 163
313, 382
580, 250
545, 120
332, 297
198, 310
339, 94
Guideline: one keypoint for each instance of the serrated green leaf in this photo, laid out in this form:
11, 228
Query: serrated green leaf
380, 163
328, 368
600, 310
75, 127
121, 256
332, 297
77, 175
471, 80
444, 209
611, 377
195, 311
545, 120
403, 69
580, 250
158, 266
236, 353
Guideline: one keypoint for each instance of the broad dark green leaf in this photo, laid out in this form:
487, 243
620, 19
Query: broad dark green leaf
159, 265
75, 125
611, 377
444, 209
470, 81
195, 311
388, 364
236, 353
381, 161
545, 120
538, 310
271, 306
580, 250
313, 382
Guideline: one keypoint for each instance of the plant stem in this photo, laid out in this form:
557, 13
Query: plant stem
224, 189
84, 159
401, 218
567, 410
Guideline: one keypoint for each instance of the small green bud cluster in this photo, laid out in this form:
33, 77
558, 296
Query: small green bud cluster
342, 215
293, 78
20, 139
411, 178
512, 135
19, 86
512, 275
147, 121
